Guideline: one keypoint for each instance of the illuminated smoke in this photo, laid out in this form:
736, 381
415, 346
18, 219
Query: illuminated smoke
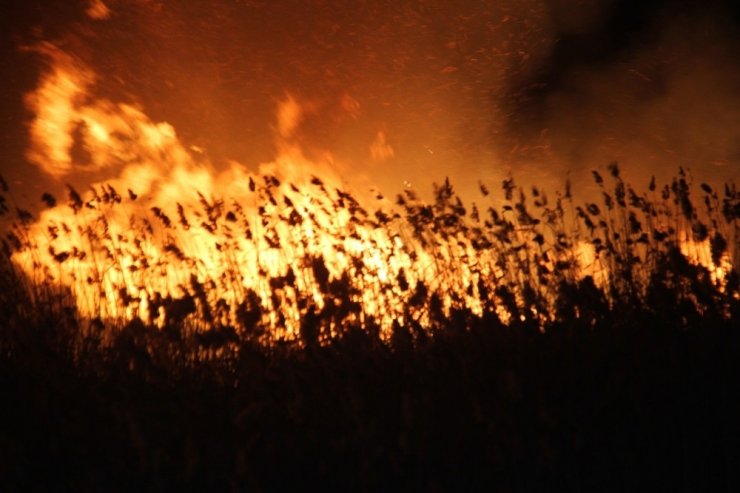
472, 90
655, 91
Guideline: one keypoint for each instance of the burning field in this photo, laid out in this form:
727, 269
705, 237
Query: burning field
288, 254
224, 323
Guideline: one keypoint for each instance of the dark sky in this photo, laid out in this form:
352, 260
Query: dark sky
536, 87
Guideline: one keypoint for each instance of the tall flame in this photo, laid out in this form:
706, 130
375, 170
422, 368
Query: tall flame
169, 237
120, 251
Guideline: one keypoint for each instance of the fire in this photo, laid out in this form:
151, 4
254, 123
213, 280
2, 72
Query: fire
170, 227
169, 238
98, 10
700, 253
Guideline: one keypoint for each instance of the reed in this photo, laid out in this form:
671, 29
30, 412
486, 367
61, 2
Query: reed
304, 264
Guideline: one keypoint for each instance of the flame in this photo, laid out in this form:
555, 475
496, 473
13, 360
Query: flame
57, 106
380, 149
170, 225
169, 237
700, 253
98, 10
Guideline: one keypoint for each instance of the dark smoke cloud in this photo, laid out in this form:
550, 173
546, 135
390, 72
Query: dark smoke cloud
653, 85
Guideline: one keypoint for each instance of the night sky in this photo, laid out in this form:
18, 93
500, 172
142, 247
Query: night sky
474, 91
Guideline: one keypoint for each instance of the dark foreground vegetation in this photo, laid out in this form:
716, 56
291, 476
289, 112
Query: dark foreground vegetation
634, 404
630, 384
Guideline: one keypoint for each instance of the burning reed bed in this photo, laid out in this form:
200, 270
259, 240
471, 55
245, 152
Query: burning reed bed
297, 336
304, 263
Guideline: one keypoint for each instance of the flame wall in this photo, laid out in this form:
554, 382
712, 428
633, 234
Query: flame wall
168, 109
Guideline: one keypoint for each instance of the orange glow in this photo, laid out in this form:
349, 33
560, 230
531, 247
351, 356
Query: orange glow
168, 222
169, 237
700, 253
97, 10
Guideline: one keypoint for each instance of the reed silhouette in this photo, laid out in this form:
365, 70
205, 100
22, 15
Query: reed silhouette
522, 342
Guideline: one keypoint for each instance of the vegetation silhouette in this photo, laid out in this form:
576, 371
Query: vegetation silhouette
611, 373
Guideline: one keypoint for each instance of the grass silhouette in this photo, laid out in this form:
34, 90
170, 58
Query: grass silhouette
519, 343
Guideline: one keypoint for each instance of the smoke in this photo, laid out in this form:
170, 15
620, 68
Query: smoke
417, 90
653, 91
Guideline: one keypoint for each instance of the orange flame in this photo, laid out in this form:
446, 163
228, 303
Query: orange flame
170, 237
97, 10
118, 248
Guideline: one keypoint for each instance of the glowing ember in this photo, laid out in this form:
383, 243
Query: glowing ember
98, 10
